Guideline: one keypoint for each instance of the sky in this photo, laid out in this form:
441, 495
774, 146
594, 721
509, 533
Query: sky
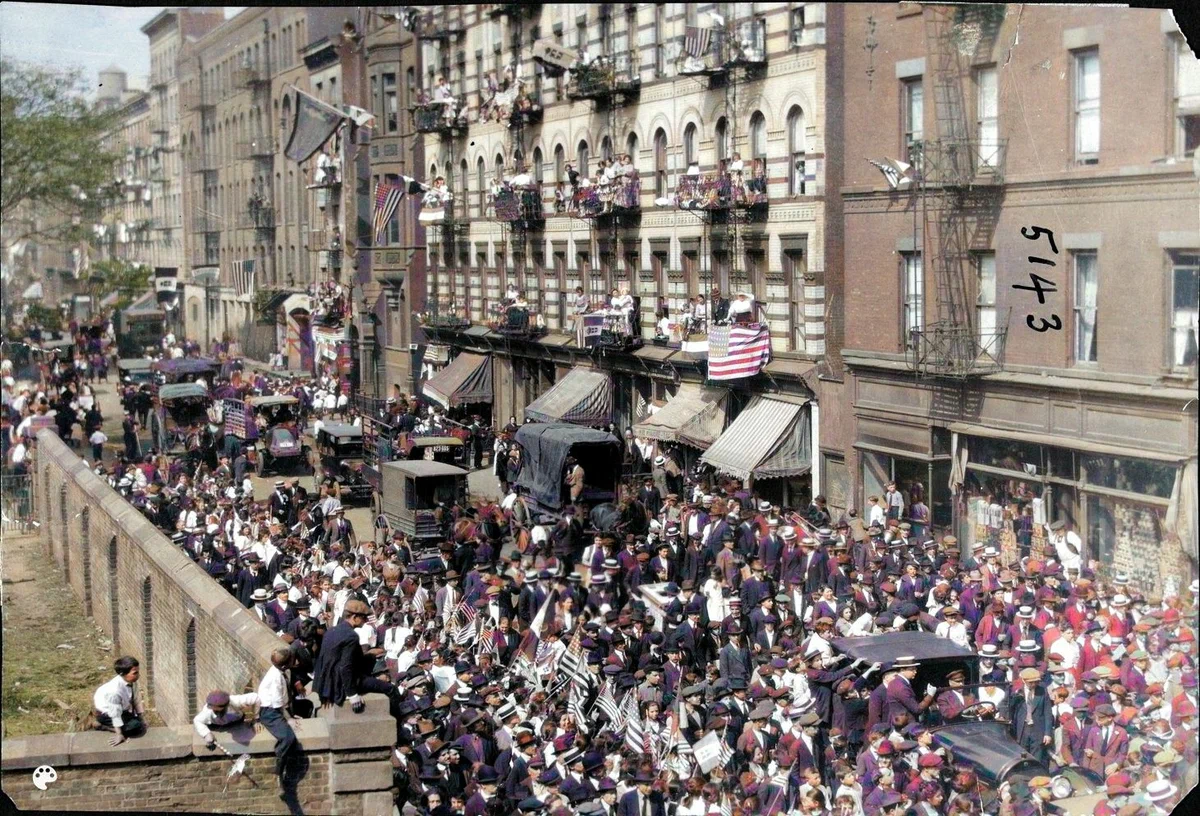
88, 37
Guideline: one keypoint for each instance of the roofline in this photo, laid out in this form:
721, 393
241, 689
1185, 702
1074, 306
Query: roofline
158, 19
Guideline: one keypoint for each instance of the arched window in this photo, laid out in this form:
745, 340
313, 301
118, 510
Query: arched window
631, 147
689, 145
581, 158
464, 182
796, 149
560, 162
499, 165
606, 149
758, 136
722, 139
432, 173
481, 185
538, 170
660, 163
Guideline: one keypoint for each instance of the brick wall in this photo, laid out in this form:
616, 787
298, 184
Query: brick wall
345, 769
189, 634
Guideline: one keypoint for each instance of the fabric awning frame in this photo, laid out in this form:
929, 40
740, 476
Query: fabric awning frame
770, 439
466, 379
583, 397
688, 418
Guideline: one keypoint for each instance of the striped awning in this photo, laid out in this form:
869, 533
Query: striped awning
436, 354
467, 379
770, 439
583, 397
694, 416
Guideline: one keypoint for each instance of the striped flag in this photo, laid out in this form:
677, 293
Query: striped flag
738, 351
609, 705
635, 731
573, 664
466, 634
387, 198
696, 40
726, 753
533, 635
243, 277
577, 707
486, 644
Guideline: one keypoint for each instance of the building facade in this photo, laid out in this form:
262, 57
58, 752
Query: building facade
1021, 294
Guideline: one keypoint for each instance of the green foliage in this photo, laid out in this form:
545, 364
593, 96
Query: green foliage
44, 316
50, 149
261, 298
128, 279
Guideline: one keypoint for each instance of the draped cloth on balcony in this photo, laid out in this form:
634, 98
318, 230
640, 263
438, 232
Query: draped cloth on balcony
695, 416
583, 397
313, 125
467, 379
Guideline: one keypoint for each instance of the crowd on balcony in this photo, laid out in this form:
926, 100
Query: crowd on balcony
439, 107
729, 186
505, 99
616, 185
331, 303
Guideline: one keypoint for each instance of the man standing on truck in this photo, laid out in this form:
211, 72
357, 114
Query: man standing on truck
574, 479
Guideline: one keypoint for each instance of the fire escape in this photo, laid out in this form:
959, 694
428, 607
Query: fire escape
729, 198
960, 184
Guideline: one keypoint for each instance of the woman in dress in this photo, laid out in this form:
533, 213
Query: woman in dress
714, 594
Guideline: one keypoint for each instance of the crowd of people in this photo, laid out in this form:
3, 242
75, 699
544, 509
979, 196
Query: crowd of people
683, 658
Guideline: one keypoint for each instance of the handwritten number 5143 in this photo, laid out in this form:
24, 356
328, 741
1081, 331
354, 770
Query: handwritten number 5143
1041, 286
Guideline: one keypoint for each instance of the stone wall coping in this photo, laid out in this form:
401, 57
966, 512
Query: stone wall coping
374, 728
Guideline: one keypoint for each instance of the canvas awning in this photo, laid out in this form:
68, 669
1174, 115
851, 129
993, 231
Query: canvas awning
694, 416
467, 379
583, 397
770, 439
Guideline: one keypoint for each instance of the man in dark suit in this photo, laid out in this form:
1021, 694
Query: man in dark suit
900, 695
640, 801
1032, 715
649, 496
735, 663
251, 577
343, 669
280, 612
718, 306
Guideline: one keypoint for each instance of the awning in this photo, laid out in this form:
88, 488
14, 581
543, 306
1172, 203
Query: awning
33, 291
771, 438
436, 354
144, 306
467, 379
694, 416
583, 397
109, 299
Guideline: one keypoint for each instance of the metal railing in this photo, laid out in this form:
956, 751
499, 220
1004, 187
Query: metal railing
18, 501
958, 162
946, 350
432, 118
622, 194
247, 76
719, 191
196, 97
521, 205
260, 217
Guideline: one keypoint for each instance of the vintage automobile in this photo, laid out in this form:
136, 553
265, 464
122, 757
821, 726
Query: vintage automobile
545, 447
338, 458
416, 493
183, 406
382, 443
978, 737
135, 371
271, 425
186, 369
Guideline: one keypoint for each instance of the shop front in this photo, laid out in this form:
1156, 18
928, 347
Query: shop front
332, 351
769, 448
1121, 505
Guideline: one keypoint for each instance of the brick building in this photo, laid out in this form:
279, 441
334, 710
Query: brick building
970, 381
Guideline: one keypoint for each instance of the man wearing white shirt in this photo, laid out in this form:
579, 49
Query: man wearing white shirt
876, 517
220, 709
116, 704
1068, 546
272, 698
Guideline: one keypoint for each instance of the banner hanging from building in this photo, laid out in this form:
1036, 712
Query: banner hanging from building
243, 277
313, 125
738, 351
166, 285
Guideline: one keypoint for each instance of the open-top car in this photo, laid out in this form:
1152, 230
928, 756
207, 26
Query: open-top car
135, 370
184, 410
338, 458
271, 425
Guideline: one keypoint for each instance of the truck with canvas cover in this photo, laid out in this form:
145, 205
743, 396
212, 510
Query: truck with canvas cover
545, 448
416, 498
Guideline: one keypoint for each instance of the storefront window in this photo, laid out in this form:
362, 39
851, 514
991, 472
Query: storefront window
1063, 463
877, 471
1130, 475
1010, 454
1126, 536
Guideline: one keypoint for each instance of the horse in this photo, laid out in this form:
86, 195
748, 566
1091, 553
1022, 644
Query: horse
605, 517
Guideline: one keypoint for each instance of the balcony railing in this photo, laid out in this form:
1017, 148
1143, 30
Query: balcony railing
259, 147
329, 175
201, 162
330, 258
206, 223
621, 195
260, 217
437, 118
958, 162
947, 350
501, 9
252, 75
525, 111
443, 26
158, 81
719, 191
520, 206
600, 81
743, 43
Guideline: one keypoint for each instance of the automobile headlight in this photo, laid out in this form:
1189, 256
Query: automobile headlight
1060, 787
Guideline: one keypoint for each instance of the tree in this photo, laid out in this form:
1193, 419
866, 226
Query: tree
52, 158
128, 280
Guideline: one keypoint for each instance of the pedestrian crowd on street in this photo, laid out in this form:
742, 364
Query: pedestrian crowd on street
682, 652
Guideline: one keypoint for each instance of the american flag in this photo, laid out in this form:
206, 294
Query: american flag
738, 351
387, 198
466, 634
696, 40
635, 731
486, 644
577, 706
609, 705
243, 277
573, 664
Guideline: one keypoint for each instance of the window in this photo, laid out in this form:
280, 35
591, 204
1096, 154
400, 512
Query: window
390, 103
1187, 98
987, 113
796, 150
985, 302
631, 147
913, 113
758, 136
606, 149
479, 72
481, 185
631, 24
1086, 284
581, 156
1087, 106
660, 163
559, 164
912, 295
393, 227
796, 27
794, 269
722, 139
581, 34
1185, 309
538, 170
660, 48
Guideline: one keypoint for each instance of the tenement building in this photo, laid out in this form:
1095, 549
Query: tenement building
1021, 262
616, 187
